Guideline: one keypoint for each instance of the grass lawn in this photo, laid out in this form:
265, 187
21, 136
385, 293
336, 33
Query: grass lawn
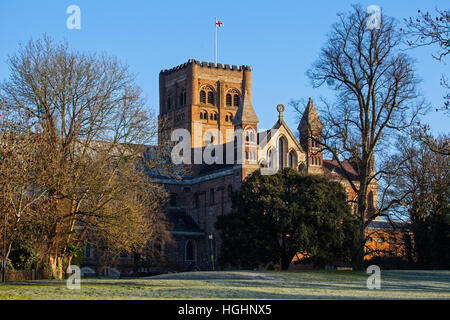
243, 285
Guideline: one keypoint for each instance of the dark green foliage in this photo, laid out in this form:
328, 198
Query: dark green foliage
425, 180
274, 217
23, 257
77, 254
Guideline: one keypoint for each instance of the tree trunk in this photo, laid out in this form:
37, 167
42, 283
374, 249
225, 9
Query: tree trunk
286, 261
56, 267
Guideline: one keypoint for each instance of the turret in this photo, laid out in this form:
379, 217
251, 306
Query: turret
246, 137
310, 130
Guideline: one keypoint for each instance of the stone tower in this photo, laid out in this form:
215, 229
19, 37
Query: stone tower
310, 130
201, 95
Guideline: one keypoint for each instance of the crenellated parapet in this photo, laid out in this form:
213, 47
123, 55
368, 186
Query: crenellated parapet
204, 64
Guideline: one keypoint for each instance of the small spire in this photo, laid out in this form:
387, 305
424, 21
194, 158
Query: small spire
310, 118
245, 114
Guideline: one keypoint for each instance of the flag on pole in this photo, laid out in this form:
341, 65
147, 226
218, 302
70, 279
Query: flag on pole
217, 24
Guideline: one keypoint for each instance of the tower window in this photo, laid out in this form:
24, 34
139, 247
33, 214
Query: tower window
169, 105
210, 97
181, 100
229, 118
228, 100
236, 100
202, 96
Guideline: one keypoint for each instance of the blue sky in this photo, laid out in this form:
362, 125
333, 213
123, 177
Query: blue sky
278, 39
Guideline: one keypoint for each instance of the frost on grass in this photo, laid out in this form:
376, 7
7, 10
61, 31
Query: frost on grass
244, 285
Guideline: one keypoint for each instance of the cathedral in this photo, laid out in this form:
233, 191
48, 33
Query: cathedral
212, 102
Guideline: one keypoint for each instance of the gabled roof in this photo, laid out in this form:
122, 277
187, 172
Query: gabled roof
310, 118
387, 225
332, 170
245, 113
280, 123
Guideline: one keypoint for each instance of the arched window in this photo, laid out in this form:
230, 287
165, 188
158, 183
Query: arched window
202, 96
213, 116
181, 100
190, 251
203, 115
228, 100
292, 159
169, 104
236, 100
281, 152
250, 135
210, 97
270, 157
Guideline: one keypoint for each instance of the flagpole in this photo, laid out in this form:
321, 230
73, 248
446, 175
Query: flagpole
215, 40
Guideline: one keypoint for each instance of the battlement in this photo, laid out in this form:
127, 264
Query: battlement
205, 64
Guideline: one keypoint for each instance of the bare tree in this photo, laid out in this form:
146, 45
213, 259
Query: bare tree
426, 30
376, 98
424, 180
432, 30
19, 162
95, 130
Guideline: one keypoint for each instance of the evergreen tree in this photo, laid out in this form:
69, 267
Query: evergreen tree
277, 216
